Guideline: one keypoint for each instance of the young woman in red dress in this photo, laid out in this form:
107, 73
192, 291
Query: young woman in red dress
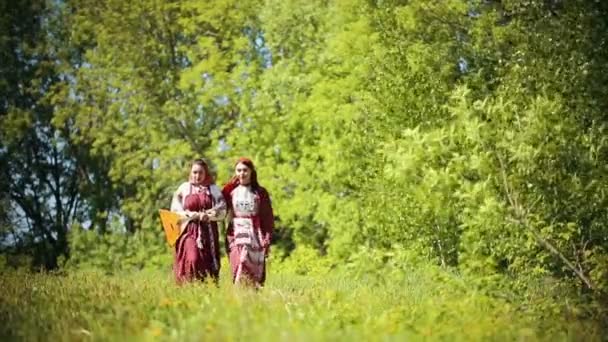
250, 224
197, 253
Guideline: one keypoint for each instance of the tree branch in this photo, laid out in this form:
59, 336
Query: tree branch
522, 220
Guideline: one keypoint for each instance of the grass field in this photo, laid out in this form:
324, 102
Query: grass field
149, 306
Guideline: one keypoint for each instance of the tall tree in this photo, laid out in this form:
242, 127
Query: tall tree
38, 170
305, 110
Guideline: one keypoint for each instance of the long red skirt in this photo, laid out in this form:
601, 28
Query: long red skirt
192, 263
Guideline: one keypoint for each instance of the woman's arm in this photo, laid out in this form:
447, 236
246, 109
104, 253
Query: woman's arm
266, 219
226, 192
218, 212
177, 203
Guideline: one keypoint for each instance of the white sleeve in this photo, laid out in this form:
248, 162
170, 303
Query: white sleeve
177, 202
219, 204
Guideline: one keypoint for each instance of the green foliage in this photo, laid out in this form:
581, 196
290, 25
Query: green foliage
305, 125
471, 134
116, 252
304, 260
492, 175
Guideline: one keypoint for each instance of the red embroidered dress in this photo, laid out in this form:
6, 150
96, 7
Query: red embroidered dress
250, 227
197, 253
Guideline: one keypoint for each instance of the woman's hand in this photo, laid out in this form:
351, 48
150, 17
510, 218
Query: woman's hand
202, 216
211, 213
266, 249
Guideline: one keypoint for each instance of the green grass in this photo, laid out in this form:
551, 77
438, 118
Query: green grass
149, 306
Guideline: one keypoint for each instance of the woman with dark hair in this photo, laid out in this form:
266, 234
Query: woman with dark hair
250, 225
200, 201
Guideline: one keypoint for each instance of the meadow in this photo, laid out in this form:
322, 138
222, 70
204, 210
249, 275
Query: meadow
338, 305
437, 169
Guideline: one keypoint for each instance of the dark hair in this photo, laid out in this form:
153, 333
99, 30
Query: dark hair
234, 181
201, 162
254, 174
